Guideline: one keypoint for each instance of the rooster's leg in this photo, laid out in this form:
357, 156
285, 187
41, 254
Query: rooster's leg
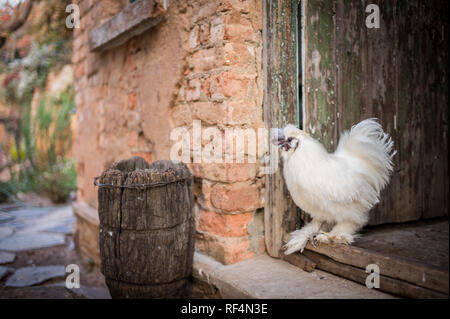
342, 233
299, 238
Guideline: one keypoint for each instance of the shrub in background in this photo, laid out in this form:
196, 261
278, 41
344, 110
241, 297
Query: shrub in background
58, 180
37, 159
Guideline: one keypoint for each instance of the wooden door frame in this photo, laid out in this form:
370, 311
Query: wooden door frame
281, 106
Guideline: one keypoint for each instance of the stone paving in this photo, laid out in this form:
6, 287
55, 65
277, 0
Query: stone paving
29, 228
29, 276
6, 257
34, 228
4, 271
5, 232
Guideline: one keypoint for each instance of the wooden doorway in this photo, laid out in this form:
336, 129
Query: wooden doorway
348, 72
281, 106
397, 73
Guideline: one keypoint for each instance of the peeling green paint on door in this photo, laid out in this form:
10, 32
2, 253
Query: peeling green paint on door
320, 71
397, 73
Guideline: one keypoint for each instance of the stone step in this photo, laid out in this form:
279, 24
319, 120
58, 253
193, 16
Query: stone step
267, 277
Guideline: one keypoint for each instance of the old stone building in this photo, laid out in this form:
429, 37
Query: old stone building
153, 75
196, 60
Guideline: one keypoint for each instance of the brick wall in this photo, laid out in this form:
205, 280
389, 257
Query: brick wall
203, 62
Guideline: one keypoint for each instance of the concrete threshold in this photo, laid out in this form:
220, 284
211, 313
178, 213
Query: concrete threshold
264, 277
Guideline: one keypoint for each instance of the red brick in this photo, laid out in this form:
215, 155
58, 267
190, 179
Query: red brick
80, 169
79, 70
202, 191
80, 40
256, 16
130, 62
232, 172
92, 63
180, 95
237, 252
243, 112
238, 29
182, 115
243, 6
132, 139
235, 197
204, 33
240, 142
80, 54
207, 87
193, 90
209, 112
79, 99
227, 250
203, 9
80, 83
217, 30
211, 171
85, 6
205, 60
109, 9
225, 225
236, 54
104, 90
230, 84
143, 144
238, 172
194, 39
132, 101
77, 32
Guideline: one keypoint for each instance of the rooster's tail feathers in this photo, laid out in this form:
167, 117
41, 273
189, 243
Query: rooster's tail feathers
369, 142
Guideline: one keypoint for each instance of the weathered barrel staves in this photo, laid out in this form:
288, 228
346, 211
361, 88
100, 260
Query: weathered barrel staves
146, 228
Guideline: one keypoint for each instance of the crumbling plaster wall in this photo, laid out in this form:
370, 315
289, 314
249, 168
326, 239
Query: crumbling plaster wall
202, 62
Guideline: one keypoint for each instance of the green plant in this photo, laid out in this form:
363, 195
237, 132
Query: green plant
51, 128
52, 139
42, 139
58, 180
7, 189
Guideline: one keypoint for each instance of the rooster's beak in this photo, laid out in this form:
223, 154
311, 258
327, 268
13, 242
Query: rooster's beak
279, 138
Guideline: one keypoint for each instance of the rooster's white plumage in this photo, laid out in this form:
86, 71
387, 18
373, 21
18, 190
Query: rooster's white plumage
336, 188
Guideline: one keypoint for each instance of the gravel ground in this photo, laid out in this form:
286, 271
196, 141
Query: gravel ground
30, 219
90, 274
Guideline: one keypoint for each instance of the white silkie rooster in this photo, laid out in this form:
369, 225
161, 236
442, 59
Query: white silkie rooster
335, 188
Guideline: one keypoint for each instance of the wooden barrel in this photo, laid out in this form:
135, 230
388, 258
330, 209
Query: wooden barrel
146, 228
